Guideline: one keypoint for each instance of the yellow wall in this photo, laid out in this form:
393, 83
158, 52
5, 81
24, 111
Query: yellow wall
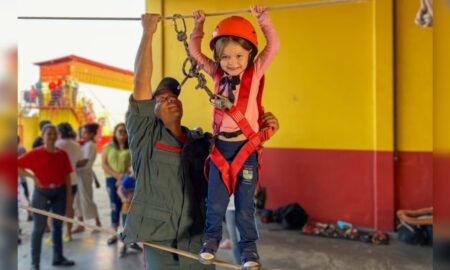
413, 80
441, 63
31, 124
331, 83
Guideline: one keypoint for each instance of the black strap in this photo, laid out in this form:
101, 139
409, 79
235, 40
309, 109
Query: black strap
230, 135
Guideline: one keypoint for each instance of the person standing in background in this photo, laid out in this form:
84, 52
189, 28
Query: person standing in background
50, 169
85, 206
116, 161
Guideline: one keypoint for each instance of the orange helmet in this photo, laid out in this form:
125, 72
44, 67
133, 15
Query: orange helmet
234, 26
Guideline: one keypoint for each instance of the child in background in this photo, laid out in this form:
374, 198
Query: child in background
125, 192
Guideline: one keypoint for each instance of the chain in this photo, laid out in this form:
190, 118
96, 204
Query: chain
218, 101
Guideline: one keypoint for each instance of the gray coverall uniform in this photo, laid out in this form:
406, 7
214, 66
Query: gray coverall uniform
168, 202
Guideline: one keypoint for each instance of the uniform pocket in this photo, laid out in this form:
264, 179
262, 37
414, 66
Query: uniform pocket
165, 165
166, 154
155, 222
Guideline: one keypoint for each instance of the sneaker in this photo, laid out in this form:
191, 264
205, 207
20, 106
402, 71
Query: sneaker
48, 241
34, 267
112, 240
123, 251
250, 260
206, 257
207, 252
251, 265
67, 238
135, 246
63, 262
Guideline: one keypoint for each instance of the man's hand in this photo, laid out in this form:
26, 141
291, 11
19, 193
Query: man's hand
150, 22
119, 178
199, 17
269, 120
258, 10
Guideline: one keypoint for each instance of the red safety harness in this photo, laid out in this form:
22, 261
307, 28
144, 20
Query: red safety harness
228, 171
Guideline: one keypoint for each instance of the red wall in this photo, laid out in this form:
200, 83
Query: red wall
414, 180
350, 185
442, 189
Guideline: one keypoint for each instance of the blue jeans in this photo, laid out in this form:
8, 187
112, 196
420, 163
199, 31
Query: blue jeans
114, 199
53, 199
218, 198
233, 234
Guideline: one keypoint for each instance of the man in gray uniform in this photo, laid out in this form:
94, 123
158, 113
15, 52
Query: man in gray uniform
168, 203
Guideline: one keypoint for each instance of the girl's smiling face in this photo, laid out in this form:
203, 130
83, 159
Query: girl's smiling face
234, 58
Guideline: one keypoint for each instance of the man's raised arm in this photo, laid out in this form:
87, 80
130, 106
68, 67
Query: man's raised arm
143, 65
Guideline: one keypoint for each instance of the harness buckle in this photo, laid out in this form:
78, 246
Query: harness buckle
220, 102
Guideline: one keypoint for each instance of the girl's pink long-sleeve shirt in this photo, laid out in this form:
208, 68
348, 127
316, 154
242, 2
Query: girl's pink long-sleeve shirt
260, 66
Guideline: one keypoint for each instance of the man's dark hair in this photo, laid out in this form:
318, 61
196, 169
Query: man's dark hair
66, 130
43, 123
45, 128
92, 128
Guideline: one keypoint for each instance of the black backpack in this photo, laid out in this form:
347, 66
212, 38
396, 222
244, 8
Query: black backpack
260, 198
415, 235
291, 216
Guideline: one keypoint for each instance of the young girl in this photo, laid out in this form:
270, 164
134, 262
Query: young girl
85, 206
234, 158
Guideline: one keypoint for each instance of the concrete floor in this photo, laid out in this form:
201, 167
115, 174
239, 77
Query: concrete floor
278, 249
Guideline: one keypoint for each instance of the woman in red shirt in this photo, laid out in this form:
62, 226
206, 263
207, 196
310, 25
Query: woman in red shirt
50, 169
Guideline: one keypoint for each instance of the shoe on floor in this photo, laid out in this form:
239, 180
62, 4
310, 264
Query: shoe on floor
48, 241
112, 240
135, 246
34, 267
63, 262
123, 252
67, 238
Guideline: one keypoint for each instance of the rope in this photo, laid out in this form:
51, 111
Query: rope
230, 12
216, 100
278, 7
111, 232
